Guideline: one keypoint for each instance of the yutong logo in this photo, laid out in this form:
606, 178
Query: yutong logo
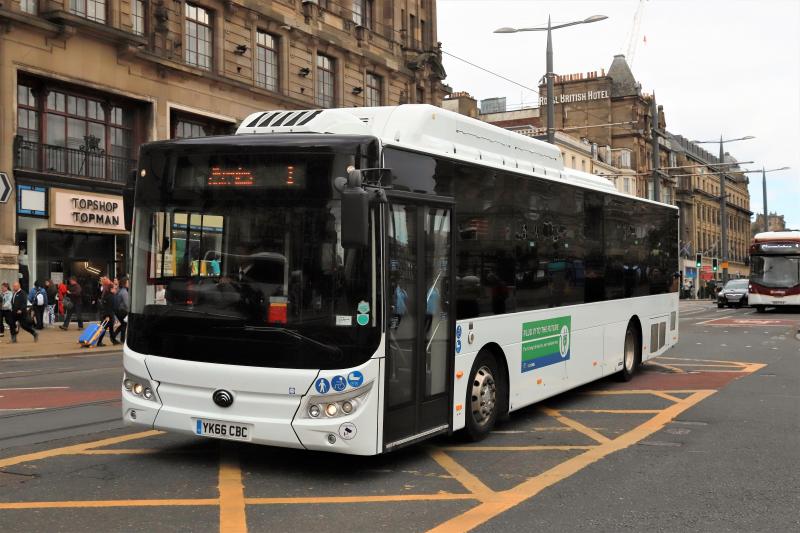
222, 398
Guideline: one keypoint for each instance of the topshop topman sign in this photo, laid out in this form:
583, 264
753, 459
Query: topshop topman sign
86, 211
5, 188
575, 97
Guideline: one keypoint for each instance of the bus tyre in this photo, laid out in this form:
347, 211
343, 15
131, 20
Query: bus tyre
483, 392
760, 309
631, 354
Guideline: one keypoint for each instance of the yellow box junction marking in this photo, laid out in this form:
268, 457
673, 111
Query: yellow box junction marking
232, 503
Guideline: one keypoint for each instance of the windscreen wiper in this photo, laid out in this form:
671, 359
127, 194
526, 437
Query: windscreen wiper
299, 336
178, 311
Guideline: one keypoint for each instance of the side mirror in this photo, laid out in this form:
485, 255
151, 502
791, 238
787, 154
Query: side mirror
355, 218
355, 211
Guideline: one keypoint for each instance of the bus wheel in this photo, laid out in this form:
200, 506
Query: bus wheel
482, 395
760, 309
631, 354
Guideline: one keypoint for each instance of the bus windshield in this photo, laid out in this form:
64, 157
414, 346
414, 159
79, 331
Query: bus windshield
238, 260
775, 271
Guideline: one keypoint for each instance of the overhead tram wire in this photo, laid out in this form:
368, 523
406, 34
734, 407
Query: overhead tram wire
630, 126
490, 72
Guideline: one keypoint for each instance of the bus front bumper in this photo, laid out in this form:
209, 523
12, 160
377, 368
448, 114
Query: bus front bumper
271, 405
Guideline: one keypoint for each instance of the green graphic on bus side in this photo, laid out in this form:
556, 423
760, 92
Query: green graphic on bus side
545, 342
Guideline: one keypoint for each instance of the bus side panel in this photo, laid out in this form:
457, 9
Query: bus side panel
597, 334
586, 365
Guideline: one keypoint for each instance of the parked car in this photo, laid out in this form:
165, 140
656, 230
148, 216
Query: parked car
734, 293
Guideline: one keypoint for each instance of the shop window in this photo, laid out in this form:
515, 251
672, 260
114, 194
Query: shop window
363, 13
197, 38
137, 16
374, 90
266, 61
27, 126
73, 134
186, 125
94, 10
28, 6
326, 78
358, 12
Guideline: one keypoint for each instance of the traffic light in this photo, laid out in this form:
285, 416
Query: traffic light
714, 264
698, 260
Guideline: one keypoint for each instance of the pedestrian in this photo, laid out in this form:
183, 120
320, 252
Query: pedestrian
52, 299
38, 297
73, 304
121, 306
5, 309
105, 307
19, 313
62, 293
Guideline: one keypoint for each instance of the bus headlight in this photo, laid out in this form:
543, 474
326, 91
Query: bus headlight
139, 387
337, 405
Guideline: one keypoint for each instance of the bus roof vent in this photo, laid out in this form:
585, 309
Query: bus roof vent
304, 121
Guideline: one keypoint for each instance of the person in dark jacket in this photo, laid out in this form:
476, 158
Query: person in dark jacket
38, 297
52, 300
73, 304
19, 313
121, 306
105, 307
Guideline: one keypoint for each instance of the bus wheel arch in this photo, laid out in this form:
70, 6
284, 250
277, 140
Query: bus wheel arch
633, 341
488, 375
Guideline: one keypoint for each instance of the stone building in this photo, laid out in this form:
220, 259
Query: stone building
610, 109
776, 223
85, 82
698, 197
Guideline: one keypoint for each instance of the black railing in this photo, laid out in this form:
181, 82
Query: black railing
91, 163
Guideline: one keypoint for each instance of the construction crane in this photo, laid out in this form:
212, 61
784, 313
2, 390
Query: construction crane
633, 37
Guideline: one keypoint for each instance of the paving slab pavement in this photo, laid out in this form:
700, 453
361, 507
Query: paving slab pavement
52, 342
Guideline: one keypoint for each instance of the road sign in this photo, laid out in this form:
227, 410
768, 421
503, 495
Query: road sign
5, 188
724, 265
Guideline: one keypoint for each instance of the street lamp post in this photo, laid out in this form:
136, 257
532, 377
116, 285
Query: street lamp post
551, 128
764, 185
723, 201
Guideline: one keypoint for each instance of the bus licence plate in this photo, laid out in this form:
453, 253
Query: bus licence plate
222, 430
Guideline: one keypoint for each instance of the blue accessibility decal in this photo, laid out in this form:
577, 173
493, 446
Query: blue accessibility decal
338, 383
322, 385
458, 345
355, 378
458, 331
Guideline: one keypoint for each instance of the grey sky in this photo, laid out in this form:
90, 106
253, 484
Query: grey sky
718, 67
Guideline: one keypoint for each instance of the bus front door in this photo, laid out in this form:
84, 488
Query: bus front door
419, 358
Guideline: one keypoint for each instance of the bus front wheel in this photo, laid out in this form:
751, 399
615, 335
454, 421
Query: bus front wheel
760, 309
631, 355
483, 392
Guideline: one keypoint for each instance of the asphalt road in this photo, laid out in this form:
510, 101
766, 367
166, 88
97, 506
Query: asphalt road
705, 438
45, 399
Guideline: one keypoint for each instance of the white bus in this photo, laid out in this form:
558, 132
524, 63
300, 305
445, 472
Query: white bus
774, 270
440, 273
